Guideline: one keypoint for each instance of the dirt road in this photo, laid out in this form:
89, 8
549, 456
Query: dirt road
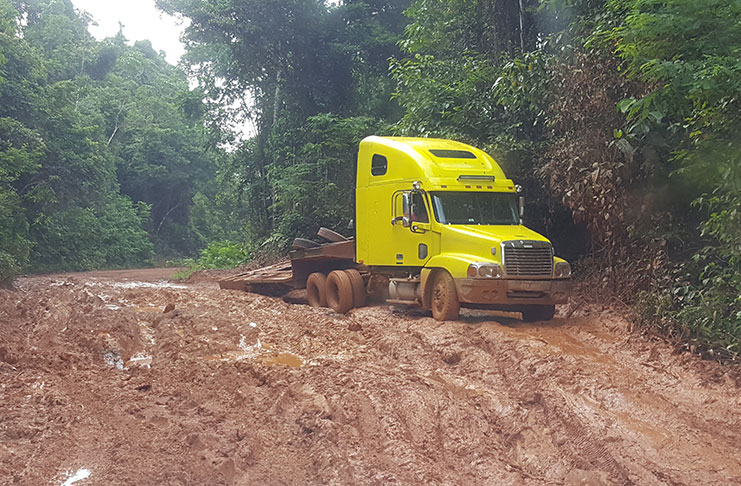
100, 386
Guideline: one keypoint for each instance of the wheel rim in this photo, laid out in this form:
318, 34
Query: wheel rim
438, 298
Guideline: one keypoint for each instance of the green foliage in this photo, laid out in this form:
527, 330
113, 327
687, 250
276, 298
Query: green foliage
488, 27
689, 53
20, 152
704, 300
183, 274
107, 236
102, 145
224, 254
296, 60
14, 244
474, 99
314, 184
217, 255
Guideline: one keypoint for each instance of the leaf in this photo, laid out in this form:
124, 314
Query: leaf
625, 104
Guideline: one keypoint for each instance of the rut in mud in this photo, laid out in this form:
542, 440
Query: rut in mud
121, 378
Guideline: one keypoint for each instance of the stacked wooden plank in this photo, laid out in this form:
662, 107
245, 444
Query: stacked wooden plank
343, 250
280, 273
293, 274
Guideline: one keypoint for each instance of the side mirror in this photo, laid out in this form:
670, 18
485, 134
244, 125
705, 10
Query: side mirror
406, 204
522, 208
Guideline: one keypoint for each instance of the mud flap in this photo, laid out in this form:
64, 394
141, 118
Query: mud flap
426, 283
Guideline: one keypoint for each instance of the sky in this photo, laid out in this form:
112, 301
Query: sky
141, 21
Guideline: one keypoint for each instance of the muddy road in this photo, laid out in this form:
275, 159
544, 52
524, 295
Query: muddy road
122, 378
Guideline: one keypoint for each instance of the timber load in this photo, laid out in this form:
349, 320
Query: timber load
306, 257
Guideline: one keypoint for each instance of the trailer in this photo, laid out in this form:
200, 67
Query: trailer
310, 268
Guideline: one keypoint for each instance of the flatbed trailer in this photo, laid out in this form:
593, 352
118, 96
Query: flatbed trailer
293, 274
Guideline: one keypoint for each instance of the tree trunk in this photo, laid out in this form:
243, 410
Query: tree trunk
522, 26
276, 98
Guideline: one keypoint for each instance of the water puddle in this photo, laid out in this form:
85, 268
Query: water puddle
286, 359
558, 338
113, 359
146, 331
151, 308
162, 284
139, 360
259, 351
78, 476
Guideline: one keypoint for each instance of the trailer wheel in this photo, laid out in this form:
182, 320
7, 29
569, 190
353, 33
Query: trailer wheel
445, 303
339, 291
358, 288
532, 313
316, 289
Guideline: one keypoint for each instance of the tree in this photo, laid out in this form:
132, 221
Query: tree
85, 127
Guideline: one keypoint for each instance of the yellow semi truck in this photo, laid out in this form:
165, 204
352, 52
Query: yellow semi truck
438, 224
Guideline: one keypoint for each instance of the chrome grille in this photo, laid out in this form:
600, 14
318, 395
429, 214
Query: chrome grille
527, 258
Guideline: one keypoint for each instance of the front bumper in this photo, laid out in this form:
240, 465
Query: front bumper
512, 292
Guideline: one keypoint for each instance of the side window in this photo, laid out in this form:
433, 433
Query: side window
379, 165
419, 211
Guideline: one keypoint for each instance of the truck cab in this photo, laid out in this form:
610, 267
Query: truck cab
442, 222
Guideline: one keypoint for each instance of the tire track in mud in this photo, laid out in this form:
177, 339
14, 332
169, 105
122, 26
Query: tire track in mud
247, 389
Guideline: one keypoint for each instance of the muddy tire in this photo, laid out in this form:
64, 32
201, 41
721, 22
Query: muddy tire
316, 290
534, 313
358, 288
331, 236
445, 303
339, 291
303, 243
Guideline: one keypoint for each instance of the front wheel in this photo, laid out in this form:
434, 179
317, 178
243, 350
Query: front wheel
534, 313
445, 303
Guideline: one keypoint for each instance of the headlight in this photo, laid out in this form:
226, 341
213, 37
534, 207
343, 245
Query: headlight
563, 270
484, 270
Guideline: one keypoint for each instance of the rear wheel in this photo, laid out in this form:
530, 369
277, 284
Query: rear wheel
339, 292
445, 303
534, 313
316, 292
358, 288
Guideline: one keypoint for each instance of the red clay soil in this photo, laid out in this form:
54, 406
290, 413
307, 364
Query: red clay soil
100, 386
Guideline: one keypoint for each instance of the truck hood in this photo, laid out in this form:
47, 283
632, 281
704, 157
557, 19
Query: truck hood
478, 240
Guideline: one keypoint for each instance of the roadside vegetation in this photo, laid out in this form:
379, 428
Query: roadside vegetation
217, 255
621, 118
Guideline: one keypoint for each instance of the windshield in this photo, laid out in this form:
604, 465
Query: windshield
491, 208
